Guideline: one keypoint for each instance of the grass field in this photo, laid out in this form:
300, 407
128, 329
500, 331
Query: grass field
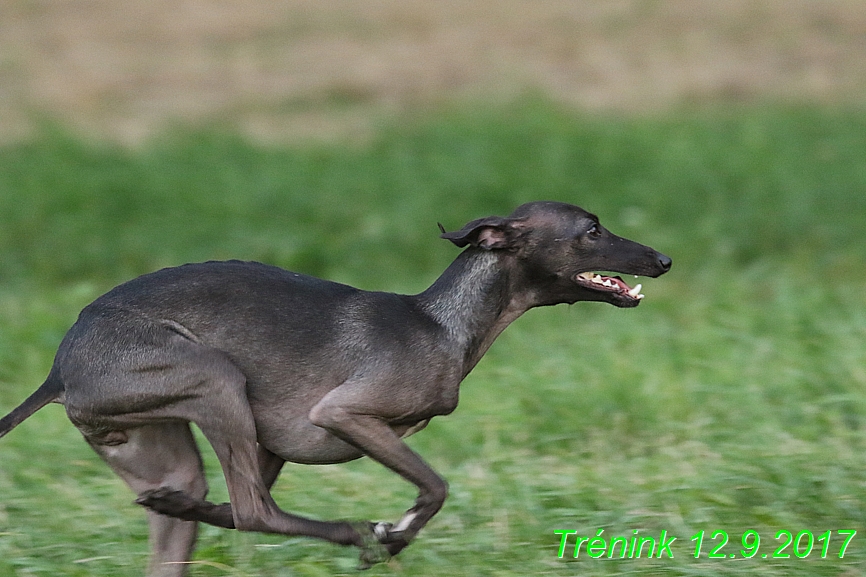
733, 399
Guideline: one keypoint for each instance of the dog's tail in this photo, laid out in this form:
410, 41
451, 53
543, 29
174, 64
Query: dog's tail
50, 391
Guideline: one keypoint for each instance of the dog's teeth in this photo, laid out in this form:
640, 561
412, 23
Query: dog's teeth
586, 275
607, 283
635, 292
597, 279
638, 297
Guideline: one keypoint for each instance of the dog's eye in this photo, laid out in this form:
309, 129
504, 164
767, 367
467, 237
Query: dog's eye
594, 230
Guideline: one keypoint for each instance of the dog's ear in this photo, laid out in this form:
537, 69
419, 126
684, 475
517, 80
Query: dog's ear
491, 233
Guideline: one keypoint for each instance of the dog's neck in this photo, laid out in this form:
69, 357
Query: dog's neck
473, 300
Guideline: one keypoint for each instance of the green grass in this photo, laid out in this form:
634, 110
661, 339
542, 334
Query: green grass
733, 398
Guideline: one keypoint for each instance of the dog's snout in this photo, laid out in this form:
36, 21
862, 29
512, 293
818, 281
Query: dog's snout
665, 262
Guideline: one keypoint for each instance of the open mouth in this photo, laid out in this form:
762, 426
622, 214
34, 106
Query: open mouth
609, 284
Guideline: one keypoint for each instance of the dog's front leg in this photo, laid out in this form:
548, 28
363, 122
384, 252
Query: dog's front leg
371, 434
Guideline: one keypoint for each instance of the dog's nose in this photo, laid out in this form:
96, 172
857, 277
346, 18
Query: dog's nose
665, 262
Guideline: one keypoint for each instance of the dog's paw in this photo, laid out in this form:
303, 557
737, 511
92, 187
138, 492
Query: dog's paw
395, 542
167, 502
373, 550
381, 530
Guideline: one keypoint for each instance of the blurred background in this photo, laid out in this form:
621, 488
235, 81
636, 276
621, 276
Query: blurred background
286, 69
331, 137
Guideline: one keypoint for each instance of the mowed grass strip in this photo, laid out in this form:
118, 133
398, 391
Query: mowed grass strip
731, 400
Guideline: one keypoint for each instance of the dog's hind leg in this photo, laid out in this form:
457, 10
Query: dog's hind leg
161, 455
183, 505
165, 377
230, 428
211, 392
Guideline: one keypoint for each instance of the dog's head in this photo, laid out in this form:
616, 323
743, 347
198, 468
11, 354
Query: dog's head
560, 251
